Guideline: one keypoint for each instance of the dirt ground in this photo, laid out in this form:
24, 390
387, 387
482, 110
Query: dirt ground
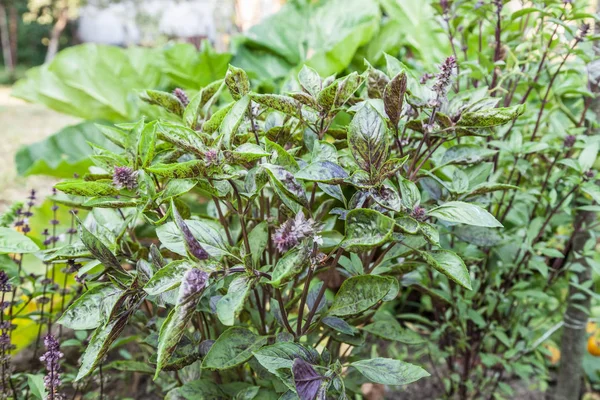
23, 123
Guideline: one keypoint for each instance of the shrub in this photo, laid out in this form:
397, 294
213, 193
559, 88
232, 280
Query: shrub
246, 244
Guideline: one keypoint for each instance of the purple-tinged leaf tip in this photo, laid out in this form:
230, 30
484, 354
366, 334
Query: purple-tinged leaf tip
307, 380
191, 243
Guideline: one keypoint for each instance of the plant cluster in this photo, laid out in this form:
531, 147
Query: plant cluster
385, 226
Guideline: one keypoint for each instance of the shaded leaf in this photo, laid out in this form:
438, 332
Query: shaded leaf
449, 264
306, 379
230, 305
388, 371
232, 348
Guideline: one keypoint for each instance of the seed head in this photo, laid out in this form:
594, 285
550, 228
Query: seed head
293, 231
125, 177
181, 96
444, 77
51, 357
569, 141
4, 285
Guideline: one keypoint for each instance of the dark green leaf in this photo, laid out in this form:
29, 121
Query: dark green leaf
232, 348
360, 293
366, 229
449, 264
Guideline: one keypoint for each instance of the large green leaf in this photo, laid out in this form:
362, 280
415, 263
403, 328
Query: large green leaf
388, 371
191, 69
417, 29
366, 229
464, 213
319, 33
232, 348
12, 241
360, 293
93, 81
62, 154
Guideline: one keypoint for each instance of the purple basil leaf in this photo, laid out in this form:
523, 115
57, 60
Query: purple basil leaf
191, 243
306, 379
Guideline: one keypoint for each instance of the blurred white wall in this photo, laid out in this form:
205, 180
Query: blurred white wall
145, 21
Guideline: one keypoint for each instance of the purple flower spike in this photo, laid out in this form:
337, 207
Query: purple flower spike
181, 96
51, 357
307, 380
444, 78
4, 285
125, 177
191, 243
293, 231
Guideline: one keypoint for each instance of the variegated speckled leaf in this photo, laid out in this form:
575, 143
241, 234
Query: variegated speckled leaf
365, 229
287, 183
322, 171
367, 140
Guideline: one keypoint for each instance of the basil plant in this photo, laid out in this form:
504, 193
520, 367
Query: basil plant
256, 244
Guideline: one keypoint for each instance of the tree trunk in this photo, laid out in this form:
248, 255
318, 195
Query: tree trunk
572, 346
57, 31
5, 41
13, 34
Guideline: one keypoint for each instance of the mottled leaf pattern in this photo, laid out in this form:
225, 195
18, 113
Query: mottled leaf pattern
393, 97
360, 293
365, 229
367, 140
